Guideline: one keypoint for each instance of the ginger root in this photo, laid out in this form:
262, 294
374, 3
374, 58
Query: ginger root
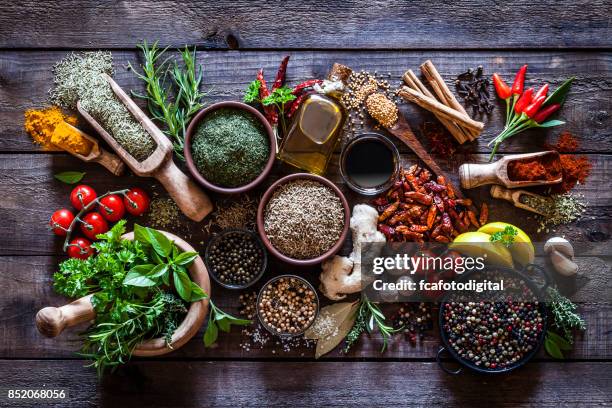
342, 275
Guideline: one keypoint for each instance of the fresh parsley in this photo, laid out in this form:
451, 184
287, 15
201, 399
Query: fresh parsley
505, 237
251, 95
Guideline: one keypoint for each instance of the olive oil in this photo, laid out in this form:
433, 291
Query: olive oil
314, 134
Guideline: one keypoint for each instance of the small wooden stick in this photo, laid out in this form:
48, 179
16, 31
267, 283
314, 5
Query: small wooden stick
436, 107
413, 82
439, 86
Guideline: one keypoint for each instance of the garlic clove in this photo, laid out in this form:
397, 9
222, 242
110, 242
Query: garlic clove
561, 245
562, 264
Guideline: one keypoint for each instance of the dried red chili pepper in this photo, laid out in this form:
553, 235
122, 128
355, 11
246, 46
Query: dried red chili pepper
306, 84
264, 92
519, 80
523, 101
545, 112
502, 89
484, 214
281, 74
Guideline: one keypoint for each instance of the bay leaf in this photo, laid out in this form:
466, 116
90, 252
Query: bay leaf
345, 322
336, 312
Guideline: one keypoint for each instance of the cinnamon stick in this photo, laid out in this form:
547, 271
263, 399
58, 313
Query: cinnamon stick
438, 108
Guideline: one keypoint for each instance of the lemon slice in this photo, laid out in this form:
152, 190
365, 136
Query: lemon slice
477, 244
522, 249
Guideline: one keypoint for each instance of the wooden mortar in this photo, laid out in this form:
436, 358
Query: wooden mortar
51, 321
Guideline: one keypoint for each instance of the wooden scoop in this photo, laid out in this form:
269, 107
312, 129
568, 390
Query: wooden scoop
97, 154
474, 175
192, 201
51, 321
514, 196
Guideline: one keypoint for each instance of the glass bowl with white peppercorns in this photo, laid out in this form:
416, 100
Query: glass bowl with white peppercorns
236, 258
287, 305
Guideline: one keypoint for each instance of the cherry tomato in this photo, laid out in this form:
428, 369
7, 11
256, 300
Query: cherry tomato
136, 201
60, 221
93, 224
80, 248
81, 196
112, 208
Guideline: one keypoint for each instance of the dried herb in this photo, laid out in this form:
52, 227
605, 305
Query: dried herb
332, 325
566, 319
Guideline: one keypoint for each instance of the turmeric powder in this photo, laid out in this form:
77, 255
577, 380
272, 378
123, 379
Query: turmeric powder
40, 124
70, 139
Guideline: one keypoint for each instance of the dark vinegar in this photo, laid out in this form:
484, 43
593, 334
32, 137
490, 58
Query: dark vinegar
369, 163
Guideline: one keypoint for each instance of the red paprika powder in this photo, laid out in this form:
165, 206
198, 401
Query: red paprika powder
545, 168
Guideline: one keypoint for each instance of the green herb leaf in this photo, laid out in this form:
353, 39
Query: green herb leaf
505, 237
70, 177
182, 284
251, 94
279, 96
186, 258
136, 279
143, 269
160, 243
158, 271
552, 349
197, 293
559, 341
211, 333
560, 93
224, 325
551, 123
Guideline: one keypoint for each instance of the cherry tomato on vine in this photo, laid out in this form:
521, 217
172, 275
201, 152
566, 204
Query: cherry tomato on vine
136, 201
82, 195
93, 224
60, 221
112, 208
80, 248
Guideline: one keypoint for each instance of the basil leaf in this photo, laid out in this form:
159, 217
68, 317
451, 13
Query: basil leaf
182, 283
551, 123
224, 325
560, 93
157, 271
160, 243
140, 234
142, 269
197, 293
552, 349
186, 258
70, 177
211, 334
136, 279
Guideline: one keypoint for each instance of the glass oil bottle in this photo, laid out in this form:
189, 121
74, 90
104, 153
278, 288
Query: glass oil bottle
314, 134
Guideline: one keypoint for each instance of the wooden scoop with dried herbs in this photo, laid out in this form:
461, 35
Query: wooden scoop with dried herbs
132, 295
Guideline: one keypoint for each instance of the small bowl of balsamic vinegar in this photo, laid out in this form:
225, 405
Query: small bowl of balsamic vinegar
369, 164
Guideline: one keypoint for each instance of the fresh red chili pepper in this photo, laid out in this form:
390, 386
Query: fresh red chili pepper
280, 75
532, 109
264, 92
524, 101
519, 81
306, 84
543, 91
502, 89
544, 113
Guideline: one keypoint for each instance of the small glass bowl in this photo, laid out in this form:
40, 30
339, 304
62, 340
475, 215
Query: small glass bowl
222, 235
370, 191
270, 329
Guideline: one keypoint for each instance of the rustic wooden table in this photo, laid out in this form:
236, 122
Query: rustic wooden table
558, 40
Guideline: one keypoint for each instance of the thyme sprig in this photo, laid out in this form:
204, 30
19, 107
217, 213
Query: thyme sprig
369, 317
172, 91
566, 319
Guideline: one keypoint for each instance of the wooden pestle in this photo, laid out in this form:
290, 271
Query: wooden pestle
514, 196
51, 321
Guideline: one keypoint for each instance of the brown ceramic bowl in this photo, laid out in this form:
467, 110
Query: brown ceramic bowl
189, 158
264, 202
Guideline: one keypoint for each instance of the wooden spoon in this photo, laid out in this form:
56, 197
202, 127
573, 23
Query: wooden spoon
97, 154
514, 196
192, 201
51, 321
474, 175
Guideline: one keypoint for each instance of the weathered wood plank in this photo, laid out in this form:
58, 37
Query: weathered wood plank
27, 284
30, 194
25, 77
201, 383
315, 24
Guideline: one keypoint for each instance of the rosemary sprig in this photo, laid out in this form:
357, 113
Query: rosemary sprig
165, 78
369, 317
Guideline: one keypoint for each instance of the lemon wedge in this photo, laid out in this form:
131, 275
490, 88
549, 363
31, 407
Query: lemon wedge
477, 244
522, 249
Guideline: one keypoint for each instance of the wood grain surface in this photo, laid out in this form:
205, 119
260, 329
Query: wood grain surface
558, 39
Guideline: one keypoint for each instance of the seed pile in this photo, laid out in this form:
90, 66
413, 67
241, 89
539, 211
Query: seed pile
304, 219
382, 109
78, 78
236, 258
287, 305
492, 335
230, 147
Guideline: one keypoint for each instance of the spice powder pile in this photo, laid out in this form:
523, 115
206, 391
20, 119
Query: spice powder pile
304, 219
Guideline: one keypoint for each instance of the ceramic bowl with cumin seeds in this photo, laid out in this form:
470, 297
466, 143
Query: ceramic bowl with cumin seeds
303, 219
224, 174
